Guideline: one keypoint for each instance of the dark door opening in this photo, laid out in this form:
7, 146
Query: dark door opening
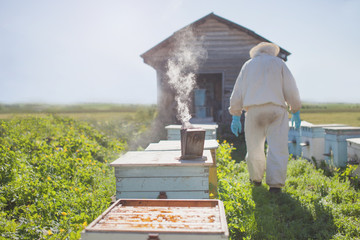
208, 96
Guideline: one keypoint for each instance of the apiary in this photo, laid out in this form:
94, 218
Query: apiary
211, 144
294, 139
162, 174
313, 141
336, 145
160, 219
173, 131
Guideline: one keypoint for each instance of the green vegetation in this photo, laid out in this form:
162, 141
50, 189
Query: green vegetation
312, 205
54, 178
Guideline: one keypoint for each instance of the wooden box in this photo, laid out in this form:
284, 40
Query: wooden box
162, 174
160, 219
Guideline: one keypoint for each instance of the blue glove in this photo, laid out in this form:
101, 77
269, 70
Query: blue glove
236, 125
295, 118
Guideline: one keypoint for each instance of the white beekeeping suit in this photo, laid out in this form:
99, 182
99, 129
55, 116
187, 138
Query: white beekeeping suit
265, 88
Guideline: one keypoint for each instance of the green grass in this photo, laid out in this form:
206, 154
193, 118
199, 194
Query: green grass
311, 206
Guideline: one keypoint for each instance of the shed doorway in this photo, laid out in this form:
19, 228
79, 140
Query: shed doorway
207, 97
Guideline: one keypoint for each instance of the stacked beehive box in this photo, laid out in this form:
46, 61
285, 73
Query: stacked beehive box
336, 145
174, 145
353, 151
294, 139
159, 172
162, 174
313, 141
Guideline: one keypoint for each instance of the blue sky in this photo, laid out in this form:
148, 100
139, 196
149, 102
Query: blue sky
76, 51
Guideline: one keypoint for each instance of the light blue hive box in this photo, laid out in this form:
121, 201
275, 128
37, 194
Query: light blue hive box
336, 145
294, 139
313, 141
211, 144
161, 174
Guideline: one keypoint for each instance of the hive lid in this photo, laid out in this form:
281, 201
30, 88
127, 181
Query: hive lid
347, 130
160, 158
162, 215
354, 140
326, 125
303, 123
168, 145
203, 126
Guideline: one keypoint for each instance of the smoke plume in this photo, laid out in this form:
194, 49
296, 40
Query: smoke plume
188, 54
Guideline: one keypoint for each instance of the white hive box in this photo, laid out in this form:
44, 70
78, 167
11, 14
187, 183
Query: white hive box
294, 139
211, 144
160, 219
173, 131
353, 151
313, 141
161, 174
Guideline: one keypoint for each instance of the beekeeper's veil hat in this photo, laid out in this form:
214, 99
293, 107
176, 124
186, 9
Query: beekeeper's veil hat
265, 47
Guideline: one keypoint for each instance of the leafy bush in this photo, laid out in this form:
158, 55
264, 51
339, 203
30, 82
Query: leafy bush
311, 206
54, 177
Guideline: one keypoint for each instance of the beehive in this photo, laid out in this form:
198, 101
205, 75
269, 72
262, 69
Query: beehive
211, 144
162, 174
160, 219
294, 139
313, 141
353, 151
336, 145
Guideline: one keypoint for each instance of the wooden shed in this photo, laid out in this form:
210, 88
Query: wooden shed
227, 45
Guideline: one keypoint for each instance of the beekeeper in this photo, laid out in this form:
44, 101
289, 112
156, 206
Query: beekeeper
266, 90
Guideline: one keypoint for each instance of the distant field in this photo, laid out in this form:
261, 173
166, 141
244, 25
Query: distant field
348, 118
312, 112
98, 116
88, 112
331, 113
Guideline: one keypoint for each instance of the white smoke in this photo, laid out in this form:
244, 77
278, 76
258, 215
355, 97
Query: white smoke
188, 54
